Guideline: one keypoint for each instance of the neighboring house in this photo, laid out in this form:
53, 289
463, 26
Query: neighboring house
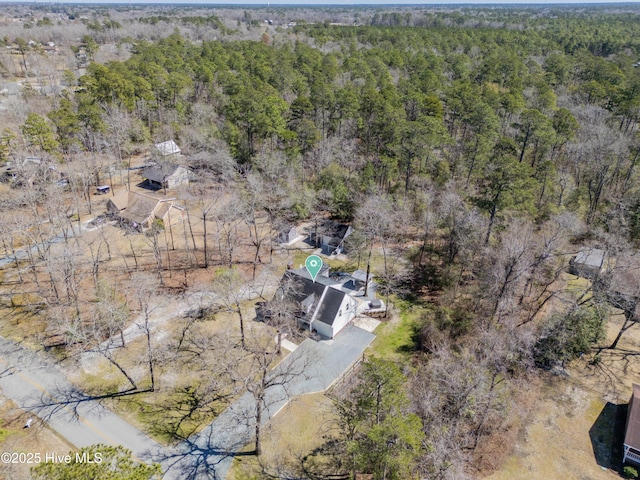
50, 47
323, 307
31, 162
587, 263
632, 429
31, 171
140, 210
118, 203
330, 236
166, 175
11, 89
165, 149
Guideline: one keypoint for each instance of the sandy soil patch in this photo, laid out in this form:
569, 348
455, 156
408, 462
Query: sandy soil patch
559, 441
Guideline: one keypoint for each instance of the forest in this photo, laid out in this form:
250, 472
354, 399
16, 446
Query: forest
474, 151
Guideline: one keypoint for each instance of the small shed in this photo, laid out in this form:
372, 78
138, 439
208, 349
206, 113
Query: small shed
587, 263
330, 236
632, 429
288, 234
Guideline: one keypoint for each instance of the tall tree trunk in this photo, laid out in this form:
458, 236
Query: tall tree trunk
193, 238
473, 162
204, 234
366, 279
239, 311
524, 145
149, 350
258, 445
491, 220
122, 370
627, 324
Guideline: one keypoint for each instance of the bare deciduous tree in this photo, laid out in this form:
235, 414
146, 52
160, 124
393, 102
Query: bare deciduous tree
232, 291
269, 385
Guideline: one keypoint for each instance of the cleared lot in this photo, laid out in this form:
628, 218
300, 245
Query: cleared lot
575, 430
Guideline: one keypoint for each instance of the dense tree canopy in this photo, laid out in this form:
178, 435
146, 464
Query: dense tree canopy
445, 108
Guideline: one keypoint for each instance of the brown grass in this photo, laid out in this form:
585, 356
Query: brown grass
301, 427
555, 443
16, 439
150, 411
573, 424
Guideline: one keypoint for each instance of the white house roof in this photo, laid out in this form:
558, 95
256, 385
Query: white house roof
593, 257
167, 148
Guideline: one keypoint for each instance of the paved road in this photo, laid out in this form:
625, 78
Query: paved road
210, 453
22, 253
40, 388
36, 386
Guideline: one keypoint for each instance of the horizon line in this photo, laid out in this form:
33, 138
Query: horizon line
329, 3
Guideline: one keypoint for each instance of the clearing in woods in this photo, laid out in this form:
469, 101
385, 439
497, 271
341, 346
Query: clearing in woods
576, 426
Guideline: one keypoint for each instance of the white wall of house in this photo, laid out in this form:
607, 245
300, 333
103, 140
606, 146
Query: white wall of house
346, 313
323, 329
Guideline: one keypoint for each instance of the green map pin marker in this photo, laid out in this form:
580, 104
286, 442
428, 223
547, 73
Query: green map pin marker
313, 264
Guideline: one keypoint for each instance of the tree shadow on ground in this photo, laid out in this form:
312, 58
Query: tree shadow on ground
607, 436
67, 400
200, 457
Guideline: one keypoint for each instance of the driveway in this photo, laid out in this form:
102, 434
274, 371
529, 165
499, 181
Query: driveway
25, 252
317, 365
